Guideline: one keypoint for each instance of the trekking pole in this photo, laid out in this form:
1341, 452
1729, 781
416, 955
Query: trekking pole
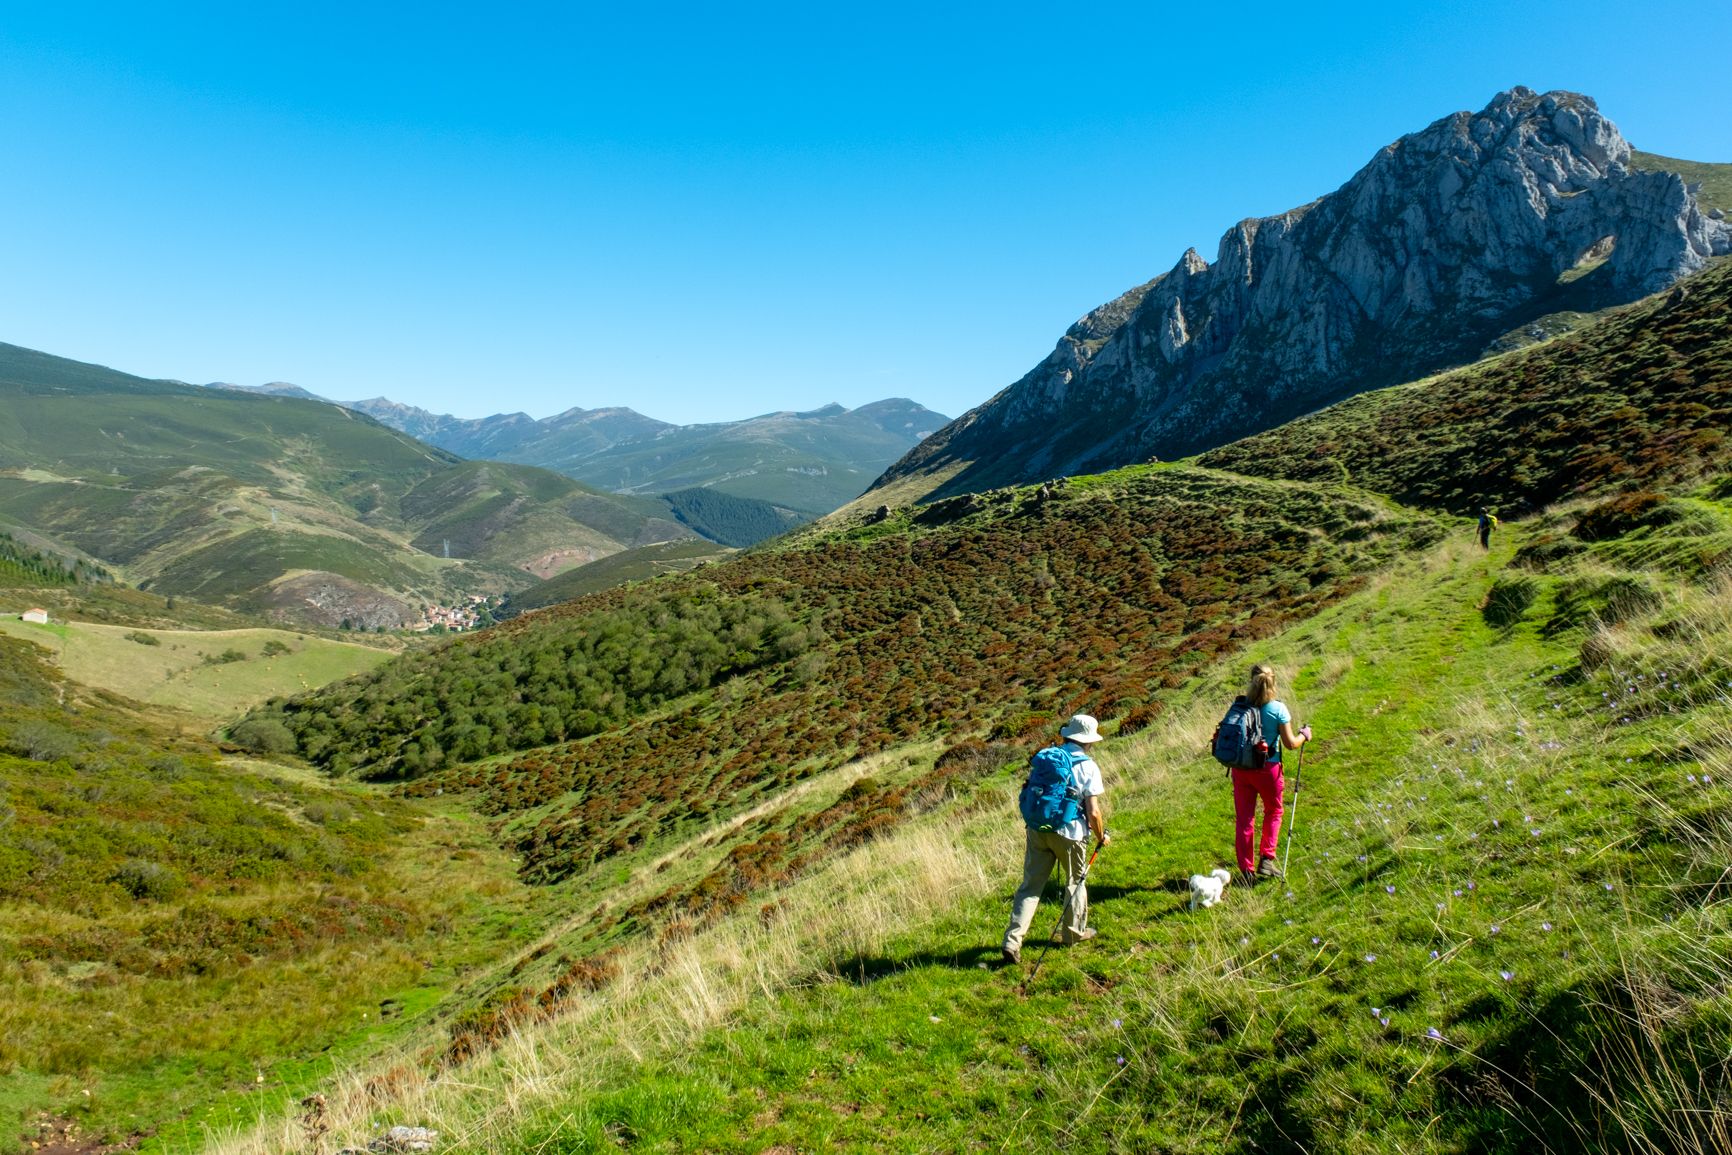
1053, 937
1298, 772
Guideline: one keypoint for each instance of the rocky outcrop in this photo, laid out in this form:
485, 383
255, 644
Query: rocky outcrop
330, 600
1448, 238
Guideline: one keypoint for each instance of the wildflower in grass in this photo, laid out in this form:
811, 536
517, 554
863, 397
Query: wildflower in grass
1433, 1033
1608, 886
1473, 836
1275, 955
1119, 1059
934, 1018
1495, 928
1506, 976
1434, 956
1496, 824
1315, 940
1376, 1012
1384, 1020
1117, 1023
1545, 926
1470, 886
1389, 890
1457, 892
1370, 958
1535, 832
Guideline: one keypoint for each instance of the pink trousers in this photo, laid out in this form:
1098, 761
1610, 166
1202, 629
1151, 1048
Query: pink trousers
1248, 786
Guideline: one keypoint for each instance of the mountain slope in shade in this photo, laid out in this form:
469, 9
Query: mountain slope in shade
1446, 240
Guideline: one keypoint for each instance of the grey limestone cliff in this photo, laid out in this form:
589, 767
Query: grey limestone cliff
1448, 238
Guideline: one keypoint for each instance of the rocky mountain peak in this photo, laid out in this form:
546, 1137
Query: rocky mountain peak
1443, 241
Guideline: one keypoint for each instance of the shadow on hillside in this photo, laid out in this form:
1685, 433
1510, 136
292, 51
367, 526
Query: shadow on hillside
863, 970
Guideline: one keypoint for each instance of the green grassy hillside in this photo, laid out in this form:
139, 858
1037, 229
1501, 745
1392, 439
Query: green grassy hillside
220, 494
195, 670
533, 518
182, 935
1642, 398
1503, 929
630, 565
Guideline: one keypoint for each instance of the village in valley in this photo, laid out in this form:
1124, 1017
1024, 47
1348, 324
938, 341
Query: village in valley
471, 613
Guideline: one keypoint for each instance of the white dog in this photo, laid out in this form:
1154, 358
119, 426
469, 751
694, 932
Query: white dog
1206, 889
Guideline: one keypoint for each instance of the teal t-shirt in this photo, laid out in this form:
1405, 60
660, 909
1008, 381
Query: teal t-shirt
1275, 715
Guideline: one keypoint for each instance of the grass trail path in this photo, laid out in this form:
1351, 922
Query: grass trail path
1469, 852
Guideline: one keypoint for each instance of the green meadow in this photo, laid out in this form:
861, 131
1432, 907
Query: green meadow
1504, 929
194, 670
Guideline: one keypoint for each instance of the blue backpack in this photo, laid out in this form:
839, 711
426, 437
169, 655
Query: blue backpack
1238, 739
1049, 798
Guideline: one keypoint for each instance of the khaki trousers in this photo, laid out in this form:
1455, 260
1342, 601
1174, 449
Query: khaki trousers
1043, 851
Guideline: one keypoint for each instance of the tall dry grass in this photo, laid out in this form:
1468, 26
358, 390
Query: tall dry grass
666, 997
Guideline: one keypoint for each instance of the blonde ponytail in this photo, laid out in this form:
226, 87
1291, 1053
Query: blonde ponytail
1262, 689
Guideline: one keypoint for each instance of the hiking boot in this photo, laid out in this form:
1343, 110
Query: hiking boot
1082, 935
1267, 868
1011, 956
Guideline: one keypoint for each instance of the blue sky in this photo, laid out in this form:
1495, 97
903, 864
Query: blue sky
706, 211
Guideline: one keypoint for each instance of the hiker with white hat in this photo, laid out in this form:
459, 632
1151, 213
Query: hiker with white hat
1060, 805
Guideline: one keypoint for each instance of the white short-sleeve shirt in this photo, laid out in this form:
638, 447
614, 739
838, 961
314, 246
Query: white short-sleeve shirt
1088, 785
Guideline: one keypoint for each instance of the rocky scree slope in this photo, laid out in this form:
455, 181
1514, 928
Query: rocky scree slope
1448, 238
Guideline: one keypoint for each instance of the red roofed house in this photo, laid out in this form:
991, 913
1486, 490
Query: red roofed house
39, 616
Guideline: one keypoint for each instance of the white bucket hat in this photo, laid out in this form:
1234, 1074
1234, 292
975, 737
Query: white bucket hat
1082, 729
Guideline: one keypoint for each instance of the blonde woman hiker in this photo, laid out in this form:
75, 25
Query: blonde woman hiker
1061, 805
1265, 781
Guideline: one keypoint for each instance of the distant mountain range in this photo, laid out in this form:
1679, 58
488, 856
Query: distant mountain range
1480, 232
806, 462
266, 501
809, 462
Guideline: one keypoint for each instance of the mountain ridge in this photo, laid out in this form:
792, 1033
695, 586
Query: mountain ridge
810, 461
1446, 239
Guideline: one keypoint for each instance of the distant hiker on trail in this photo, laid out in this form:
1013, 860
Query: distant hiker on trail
1249, 740
1060, 806
1487, 523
